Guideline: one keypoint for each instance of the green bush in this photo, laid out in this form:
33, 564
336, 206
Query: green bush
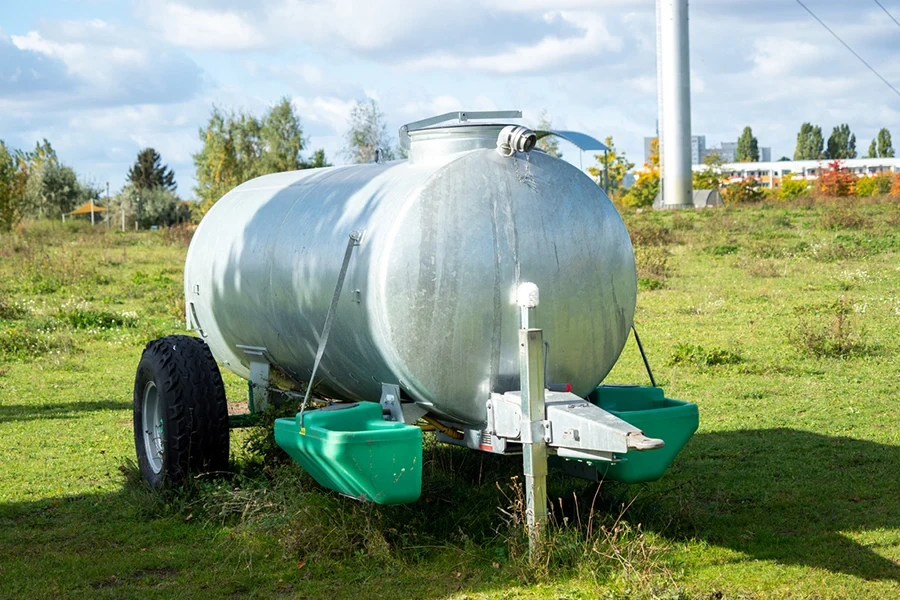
879, 185
746, 191
85, 318
689, 354
793, 188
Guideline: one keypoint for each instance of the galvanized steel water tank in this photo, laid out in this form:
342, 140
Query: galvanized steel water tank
429, 299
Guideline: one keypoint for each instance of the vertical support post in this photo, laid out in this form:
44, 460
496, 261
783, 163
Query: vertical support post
676, 103
259, 385
92, 211
534, 452
108, 216
534, 446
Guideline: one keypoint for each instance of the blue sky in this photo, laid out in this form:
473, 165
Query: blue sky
102, 79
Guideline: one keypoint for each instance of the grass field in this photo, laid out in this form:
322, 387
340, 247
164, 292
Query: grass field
782, 324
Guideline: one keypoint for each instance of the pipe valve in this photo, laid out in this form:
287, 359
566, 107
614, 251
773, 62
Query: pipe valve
515, 138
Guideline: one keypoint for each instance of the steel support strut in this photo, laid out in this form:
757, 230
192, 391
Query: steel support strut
533, 432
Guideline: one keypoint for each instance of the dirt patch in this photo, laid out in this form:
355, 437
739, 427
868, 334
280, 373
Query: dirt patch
238, 408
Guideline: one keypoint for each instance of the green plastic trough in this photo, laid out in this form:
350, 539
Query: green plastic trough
648, 409
351, 449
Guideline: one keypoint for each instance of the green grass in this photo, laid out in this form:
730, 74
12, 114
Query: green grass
781, 323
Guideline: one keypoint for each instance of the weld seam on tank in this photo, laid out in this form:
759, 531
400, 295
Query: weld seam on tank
515, 138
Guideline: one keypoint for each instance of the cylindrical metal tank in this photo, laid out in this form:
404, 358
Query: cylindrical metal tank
429, 300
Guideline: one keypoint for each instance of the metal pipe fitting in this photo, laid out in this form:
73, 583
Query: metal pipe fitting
515, 138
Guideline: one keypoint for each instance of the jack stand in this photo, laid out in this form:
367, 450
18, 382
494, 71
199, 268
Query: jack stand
535, 427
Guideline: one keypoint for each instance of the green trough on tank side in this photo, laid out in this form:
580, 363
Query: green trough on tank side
648, 409
351, 449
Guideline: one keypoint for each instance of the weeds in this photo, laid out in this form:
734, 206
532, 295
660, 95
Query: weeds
843, 217
652, 266
697, 356
722, 249
762, 268
21, 343
78, 317
829, 331
10, 311
591, 541
649, 233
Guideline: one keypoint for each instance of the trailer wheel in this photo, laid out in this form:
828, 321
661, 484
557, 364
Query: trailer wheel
180, 411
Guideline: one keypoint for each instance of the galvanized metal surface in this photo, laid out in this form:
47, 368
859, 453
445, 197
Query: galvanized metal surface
429, 298
534, 423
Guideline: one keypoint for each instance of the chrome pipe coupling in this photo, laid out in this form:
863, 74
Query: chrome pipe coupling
515, 138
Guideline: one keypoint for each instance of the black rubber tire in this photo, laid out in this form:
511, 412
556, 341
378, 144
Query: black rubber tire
194, 410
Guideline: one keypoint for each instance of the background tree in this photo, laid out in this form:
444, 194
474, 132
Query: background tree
885, 148
367, 133
746, 191
747, 147
810, 143
548, 143
317, 160
711, 177
841, 143
51, 188
148, 172
646, 188
873, 150
613, 162
238, 147
12, 189
836, 181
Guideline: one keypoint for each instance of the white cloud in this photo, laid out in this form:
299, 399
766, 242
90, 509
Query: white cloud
779, 56
205, 29
105, 64
333, 112
550, 52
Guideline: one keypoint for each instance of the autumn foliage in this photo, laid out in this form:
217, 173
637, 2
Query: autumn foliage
836, 182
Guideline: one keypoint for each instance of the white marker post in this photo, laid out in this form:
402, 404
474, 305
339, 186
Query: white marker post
534, 446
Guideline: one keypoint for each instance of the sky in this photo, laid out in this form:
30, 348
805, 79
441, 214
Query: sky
102, 79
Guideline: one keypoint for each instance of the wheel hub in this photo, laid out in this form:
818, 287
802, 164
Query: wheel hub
152, 426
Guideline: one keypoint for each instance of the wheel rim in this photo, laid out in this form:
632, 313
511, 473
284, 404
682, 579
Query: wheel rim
152, 424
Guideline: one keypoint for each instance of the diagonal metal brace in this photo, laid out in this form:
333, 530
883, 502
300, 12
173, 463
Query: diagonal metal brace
354, 241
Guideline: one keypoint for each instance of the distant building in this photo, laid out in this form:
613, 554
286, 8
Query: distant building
771, 174
728, 152
698, 148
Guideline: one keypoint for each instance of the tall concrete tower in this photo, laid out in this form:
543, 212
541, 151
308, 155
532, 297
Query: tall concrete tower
674, 73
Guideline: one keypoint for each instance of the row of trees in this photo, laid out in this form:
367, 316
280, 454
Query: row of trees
36, 184
237, 146
811, 144
841, 144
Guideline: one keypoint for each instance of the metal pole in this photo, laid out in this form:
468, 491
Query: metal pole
606, 172
108, 217
534, 446
659, 98
92, 211
676, 103
534, 452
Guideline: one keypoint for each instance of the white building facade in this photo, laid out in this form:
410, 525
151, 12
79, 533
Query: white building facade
770, 174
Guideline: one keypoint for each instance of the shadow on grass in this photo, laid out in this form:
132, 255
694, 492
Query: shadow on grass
789, 496
56, 410
110, 545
